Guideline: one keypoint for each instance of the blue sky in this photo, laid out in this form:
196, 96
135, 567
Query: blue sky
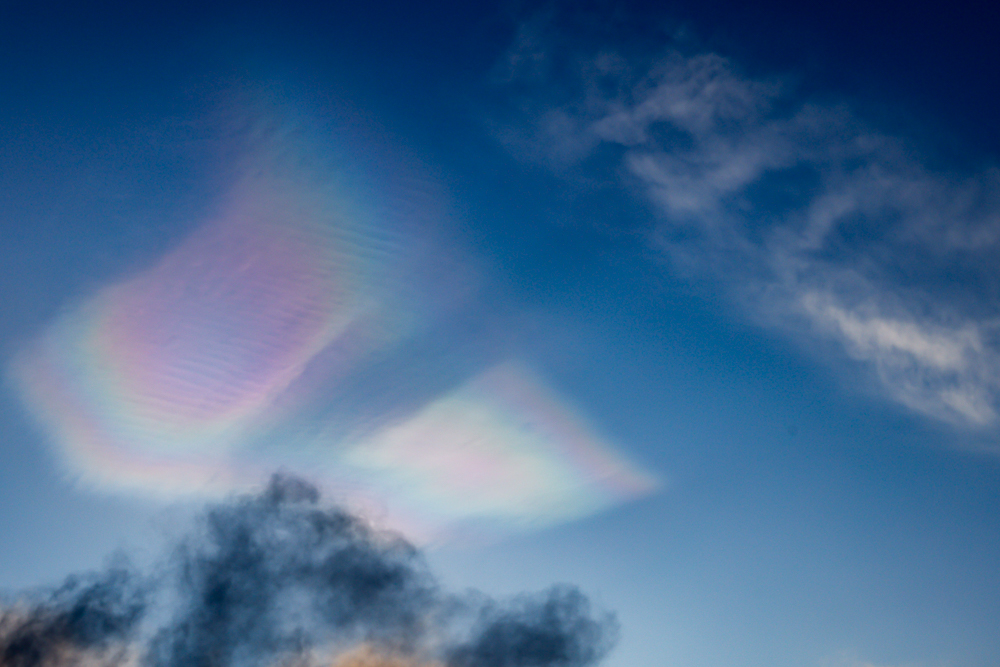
742, 256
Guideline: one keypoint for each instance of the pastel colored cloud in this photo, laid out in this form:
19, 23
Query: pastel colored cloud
248, 347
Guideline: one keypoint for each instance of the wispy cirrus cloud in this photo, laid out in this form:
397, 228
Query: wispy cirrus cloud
816, 221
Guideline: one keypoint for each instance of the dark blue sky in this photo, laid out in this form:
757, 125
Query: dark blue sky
752, 247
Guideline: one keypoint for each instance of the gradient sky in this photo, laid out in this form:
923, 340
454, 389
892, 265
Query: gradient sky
694, 306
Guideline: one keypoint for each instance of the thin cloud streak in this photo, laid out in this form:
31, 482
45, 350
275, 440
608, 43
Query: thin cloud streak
816, 222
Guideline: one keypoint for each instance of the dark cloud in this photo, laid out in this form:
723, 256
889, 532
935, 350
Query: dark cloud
272, 574
278, 578
555, 628
94, 613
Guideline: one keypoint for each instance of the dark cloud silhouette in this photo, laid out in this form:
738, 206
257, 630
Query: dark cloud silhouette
93, 614
555, 628
272, 574
278, 578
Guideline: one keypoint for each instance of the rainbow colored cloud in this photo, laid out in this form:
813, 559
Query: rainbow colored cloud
222, 360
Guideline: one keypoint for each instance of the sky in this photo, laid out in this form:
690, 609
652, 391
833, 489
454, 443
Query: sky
691, 306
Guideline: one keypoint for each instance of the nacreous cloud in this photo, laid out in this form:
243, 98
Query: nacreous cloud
813, 220
290, 330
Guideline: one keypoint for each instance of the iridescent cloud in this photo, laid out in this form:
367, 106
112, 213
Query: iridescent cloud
235, 352
502, 451
177, 366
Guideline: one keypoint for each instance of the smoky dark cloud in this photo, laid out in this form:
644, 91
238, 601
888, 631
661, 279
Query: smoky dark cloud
278, 579
555, 628
93, 614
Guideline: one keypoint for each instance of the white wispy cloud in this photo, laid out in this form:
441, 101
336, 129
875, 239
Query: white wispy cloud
816, 221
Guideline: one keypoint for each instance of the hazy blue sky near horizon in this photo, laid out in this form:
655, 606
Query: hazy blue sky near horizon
752, 246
